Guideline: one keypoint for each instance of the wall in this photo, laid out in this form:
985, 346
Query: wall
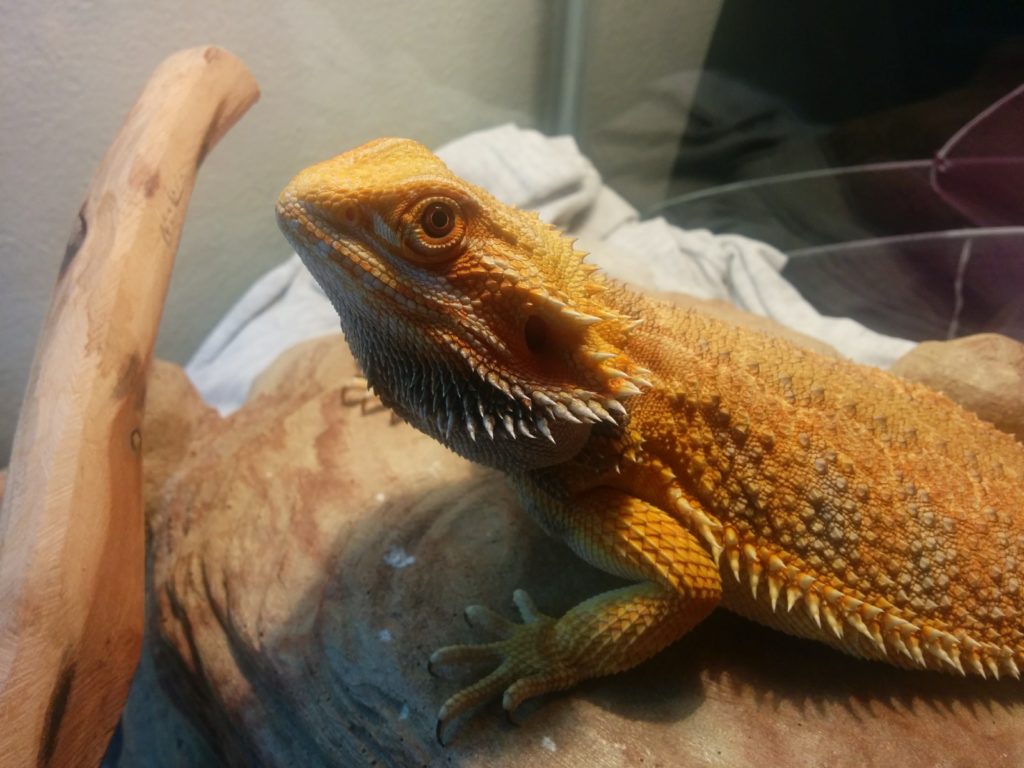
333, 74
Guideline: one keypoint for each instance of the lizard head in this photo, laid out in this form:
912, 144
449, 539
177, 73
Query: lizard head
477, 322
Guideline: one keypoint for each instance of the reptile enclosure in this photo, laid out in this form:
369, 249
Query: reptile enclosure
304, 557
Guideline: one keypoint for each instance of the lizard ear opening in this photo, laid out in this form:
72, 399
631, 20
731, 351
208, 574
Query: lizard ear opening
537, 335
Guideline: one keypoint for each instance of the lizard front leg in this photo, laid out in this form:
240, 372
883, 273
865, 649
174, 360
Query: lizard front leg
679, 585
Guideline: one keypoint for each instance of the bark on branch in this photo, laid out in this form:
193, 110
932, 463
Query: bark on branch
71, 527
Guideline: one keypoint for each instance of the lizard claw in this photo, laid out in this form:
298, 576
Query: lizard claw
480, 617
527, 609
355, 391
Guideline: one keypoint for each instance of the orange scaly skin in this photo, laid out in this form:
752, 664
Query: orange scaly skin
706, 463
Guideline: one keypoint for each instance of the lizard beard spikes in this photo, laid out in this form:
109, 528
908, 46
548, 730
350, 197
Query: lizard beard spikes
521, 405
494, 400
565, 343
566, 360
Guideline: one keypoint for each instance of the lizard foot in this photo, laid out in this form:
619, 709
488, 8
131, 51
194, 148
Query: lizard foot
529, 659
356, 391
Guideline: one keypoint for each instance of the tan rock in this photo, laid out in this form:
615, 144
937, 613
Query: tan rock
307, 557
984, 373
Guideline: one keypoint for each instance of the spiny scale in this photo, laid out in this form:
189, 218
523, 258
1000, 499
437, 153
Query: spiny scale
883, 634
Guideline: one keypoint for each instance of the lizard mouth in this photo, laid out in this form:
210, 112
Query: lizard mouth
302, 227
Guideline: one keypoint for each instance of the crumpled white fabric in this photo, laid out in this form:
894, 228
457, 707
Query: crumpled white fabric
549, 175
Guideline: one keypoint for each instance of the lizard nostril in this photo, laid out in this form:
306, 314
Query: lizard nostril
537, 334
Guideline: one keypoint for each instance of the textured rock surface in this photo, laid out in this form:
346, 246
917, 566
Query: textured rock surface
306, 558
984, 373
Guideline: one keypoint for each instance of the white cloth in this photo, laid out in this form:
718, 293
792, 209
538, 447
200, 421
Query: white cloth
549, 175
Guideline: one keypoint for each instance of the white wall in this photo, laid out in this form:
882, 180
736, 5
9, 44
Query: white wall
333, 73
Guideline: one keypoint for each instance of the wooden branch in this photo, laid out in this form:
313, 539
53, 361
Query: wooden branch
71, 527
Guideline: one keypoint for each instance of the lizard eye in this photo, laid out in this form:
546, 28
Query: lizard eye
437, 229
437, 220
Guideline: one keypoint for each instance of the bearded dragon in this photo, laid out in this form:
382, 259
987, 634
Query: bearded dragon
705, 463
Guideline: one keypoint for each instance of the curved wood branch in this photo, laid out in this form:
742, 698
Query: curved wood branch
71, 527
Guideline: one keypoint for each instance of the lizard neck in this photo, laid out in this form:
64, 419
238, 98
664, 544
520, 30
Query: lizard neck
445, 399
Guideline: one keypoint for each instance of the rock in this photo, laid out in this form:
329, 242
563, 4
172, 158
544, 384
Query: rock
984, 373
306, 558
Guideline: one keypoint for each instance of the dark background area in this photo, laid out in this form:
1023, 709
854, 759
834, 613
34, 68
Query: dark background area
808, 86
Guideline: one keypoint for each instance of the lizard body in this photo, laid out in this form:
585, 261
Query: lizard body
706, 463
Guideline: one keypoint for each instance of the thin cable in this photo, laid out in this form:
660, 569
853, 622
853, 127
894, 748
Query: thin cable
916, 237
786, 178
